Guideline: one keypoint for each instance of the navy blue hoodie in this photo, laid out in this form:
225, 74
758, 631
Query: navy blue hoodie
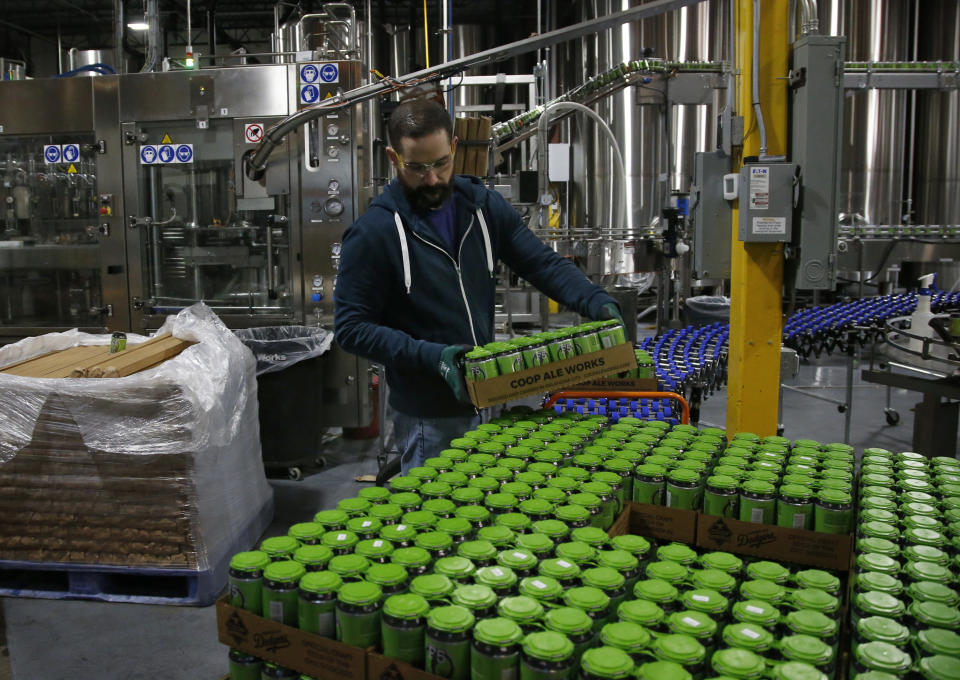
401, 311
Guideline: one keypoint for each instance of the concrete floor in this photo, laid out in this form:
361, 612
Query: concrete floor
79, 640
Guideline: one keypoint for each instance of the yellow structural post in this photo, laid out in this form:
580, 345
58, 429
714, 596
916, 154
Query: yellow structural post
756, 269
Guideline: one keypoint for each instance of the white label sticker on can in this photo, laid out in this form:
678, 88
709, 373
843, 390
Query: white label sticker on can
326, 626
378, 544
538, 584
750, 633
276, 610
564, 564
799, 520
341, 537
759, 187
769, 225
366, 524
699, 598
691, 622
756, 515
496, 571
520, 555
754, 610
401, 527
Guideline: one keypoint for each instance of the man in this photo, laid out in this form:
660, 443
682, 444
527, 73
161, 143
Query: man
416, 283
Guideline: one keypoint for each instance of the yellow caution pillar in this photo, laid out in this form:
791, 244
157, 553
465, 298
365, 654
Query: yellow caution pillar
756, 269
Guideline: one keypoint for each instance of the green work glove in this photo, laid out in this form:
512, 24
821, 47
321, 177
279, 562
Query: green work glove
451, 369
610, 311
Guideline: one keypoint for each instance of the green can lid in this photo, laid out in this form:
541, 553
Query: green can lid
604, 578
883, 629
756, 611
454, 526
795, 491
420, 519
692, 622
535, 543
477, 550
877, 515
572, 512
618, 465
939, 641
587, 598
354, 505
454, 567
520, 608
662, 670
515, 521
723, 561
547, 646
879, 603
585, 499
402, 484
279, 545
552, 528
478, 353
705, 600
677, 552
621, 560
312, 554
722, 482
398, 532
349, 565
650, 470
473, 513
835, 497
559, 568
530, 478
607, 662
928, 571
682, 649
713, 579
878, 562
625, 635
364, 525
387, 511
592, 536
642, 612
495, 577
637, 545
498, 535
438, 463
817, 578
812, 622
434, 540
476, 596
450, 619
683, 476
806, 648
655, 590
456, 455
339, 539
545, 470
406, 606
501, 500
798, 670
469, 468
407, 500
814, 598
758, 486
252, 560
881, 656
306, 530
499, 632
576, 551
804, 481
875, 580
929, 591
739, 663
436, 491
672, 572
879, 530
373, 547
747, 636
933, 614
568, 620
940, 667
386, 574
541, 503
769, 571
431, 586
410, 557
321, 582
761, 589
587, 460
423, 473
516, 558
541, 587
359, 593
563, 483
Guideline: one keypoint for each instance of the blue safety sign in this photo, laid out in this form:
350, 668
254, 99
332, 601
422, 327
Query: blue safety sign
165, 153
148, 154
71, 152
329, 73
51, 153
309, 73
309, 94
185, 153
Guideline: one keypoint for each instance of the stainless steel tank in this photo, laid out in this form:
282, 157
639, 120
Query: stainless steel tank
873, 169
936, 196
77, 58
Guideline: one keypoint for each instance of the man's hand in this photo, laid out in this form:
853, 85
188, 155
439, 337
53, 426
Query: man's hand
610, 311
451, 369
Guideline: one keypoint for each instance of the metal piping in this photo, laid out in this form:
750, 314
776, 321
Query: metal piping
152, 17
256, 161
755, 77
809, 17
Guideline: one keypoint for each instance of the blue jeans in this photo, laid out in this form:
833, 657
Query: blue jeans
420, 438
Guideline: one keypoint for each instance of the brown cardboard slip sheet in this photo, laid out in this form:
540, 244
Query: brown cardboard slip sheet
39, 367
551, 377
318, 657
380, 667
657, 521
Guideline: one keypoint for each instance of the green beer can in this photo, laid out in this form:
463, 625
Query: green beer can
244, 666
317, 602
358, 614
547, 656
720, 496
480, 364
684, 489
833, 512
403, 626
758, 502
246, 579
496, 650
795, 507
447, 642
280, 581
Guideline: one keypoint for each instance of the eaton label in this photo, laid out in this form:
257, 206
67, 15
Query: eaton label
52, 153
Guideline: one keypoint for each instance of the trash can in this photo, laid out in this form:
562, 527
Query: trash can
703, 310
289, 385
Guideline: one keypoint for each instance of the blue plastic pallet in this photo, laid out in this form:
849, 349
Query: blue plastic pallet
142, 585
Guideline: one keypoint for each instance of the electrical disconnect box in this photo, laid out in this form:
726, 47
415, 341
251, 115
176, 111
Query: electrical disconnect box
767, 201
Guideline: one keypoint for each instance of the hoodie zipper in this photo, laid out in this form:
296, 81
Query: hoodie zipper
456, 265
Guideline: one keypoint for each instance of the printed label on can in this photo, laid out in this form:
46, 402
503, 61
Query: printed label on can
753, 610
699, 598
276, 610
378, 544
538, 584
756, 515
691, 622
326, 623
341, 537
752, 634
564, 564
799, 520
366, 523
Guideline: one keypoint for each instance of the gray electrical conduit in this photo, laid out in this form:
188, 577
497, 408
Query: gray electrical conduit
543, 128
755, 77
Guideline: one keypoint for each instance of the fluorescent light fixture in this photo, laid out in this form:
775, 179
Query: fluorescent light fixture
138, 26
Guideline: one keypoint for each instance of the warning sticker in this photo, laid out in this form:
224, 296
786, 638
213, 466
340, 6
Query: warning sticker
760, 188
770, 225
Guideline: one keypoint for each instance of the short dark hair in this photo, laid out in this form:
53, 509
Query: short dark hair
417, 118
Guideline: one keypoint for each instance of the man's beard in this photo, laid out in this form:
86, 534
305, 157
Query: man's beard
425, 197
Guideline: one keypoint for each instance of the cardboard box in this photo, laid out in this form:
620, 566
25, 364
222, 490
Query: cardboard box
812, 548
610, 383
552, 377
319, 657
380, 667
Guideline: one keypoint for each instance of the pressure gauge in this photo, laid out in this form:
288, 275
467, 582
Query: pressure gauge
333, 207
333, 151
332, 130
335, 248
333, 186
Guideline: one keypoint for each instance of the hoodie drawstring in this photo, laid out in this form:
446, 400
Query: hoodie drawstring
486, 241
404, 252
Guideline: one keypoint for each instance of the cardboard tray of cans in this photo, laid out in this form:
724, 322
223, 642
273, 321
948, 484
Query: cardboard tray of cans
553, 376
326, 659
